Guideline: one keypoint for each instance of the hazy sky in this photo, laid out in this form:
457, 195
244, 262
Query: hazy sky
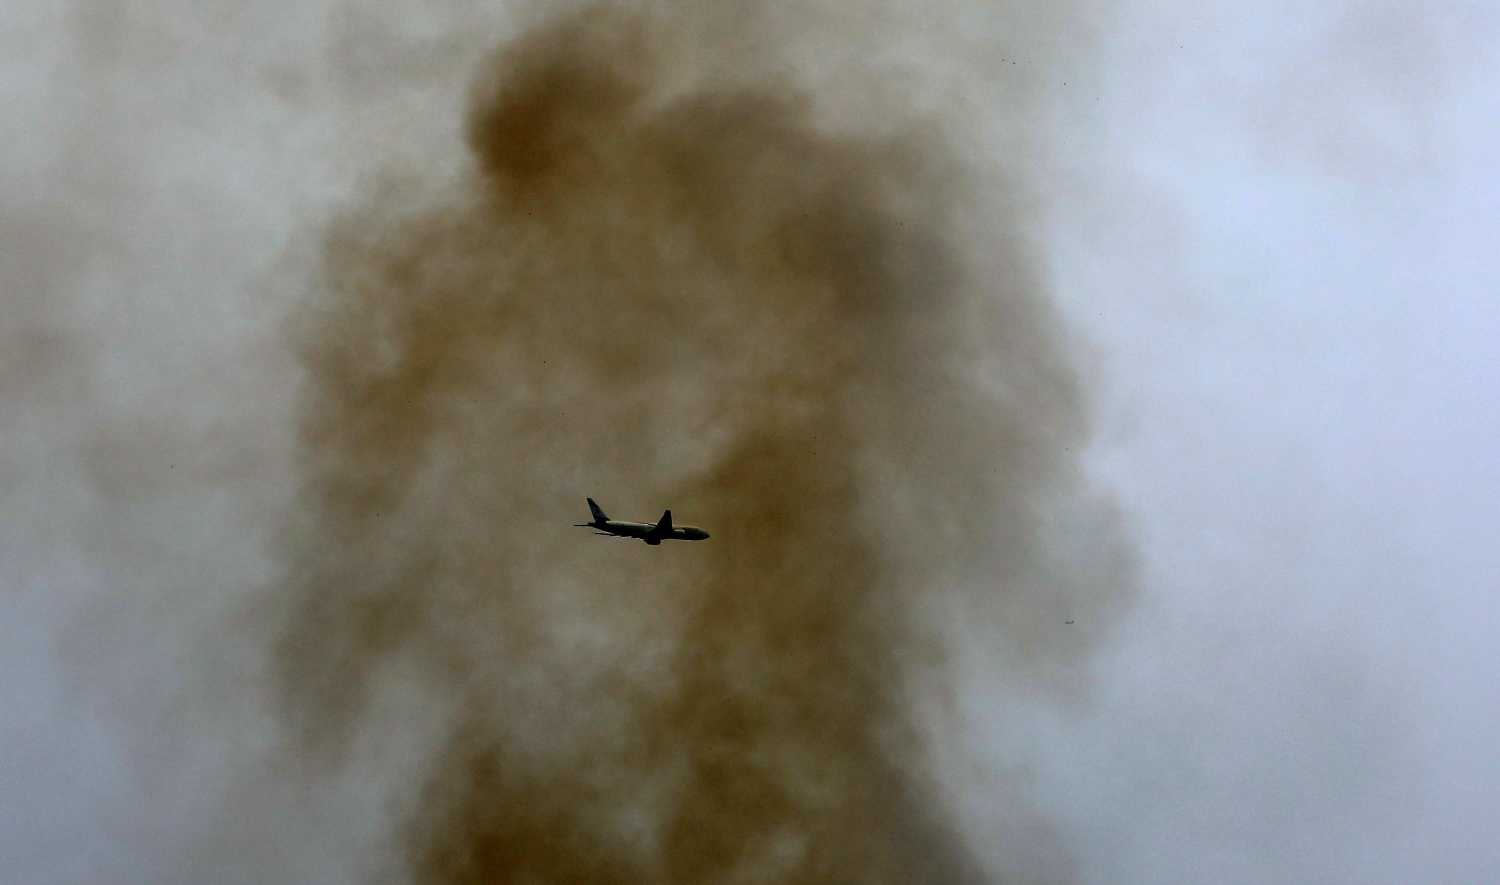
1272, 223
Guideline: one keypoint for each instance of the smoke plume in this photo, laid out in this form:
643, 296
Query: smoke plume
309, 357
662, 289
658, 258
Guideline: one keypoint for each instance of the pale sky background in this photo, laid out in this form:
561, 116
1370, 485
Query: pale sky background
1274, 223
1288, 263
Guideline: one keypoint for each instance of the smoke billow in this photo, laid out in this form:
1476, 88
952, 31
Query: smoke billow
790, 270
831, 348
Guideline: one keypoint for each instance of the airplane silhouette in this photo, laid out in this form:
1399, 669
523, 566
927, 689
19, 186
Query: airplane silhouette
663, 530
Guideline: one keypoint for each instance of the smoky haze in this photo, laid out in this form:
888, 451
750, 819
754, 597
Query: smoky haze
658, 286
321, 318
322, 322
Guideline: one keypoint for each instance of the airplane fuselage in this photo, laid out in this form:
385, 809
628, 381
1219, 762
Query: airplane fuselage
663, 530
649, 533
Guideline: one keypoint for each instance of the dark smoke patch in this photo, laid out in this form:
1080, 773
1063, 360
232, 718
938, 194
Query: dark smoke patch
663, 294
548, 102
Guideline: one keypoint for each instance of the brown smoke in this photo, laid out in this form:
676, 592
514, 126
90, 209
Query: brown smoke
669, 290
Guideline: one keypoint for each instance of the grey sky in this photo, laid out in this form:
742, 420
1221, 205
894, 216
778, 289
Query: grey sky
1274, 223
1287, 263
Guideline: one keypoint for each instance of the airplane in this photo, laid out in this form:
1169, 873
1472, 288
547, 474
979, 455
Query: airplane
651, 534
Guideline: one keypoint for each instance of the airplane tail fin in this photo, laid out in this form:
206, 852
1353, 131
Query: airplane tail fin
664, 525
598, 511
